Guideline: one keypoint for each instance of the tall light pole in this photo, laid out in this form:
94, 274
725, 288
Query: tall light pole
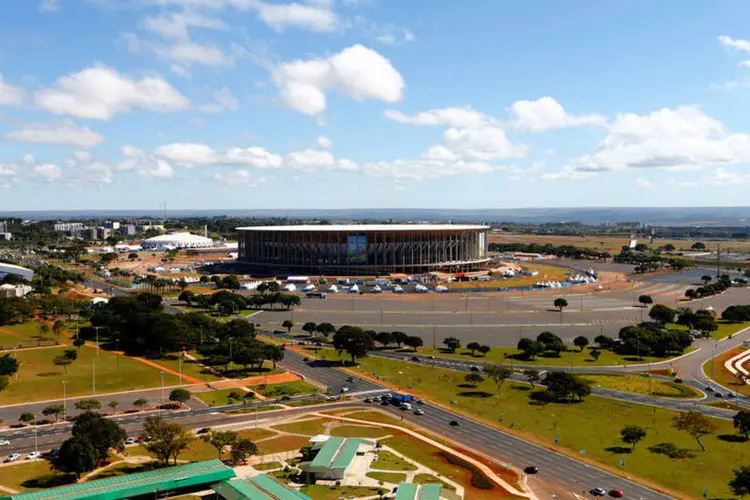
96, 328
161, 373
93, 375
117, 352
179, 365
36, 440
65, 402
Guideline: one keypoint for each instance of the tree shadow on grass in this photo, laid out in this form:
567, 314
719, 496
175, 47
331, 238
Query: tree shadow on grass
618, 449
49, 481
518, 387
466, 386
732, 438
542, 398
475, 394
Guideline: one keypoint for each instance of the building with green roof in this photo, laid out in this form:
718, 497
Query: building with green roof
335, 456
162, 482
260, 487
411, 491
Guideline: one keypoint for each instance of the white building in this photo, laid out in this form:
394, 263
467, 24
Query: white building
24, 273
173, 241
11, 291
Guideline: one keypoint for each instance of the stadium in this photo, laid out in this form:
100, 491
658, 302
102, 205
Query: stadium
358, 250
174, 241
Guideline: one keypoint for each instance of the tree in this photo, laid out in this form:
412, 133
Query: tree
452, 343
698, 246
63, 361
8, 365
645, 300
78, 343
325, 329
309, 327
581, 342
691, 294
694, 423
243, 449
180, 395
113, 404
4, 382
134, 256
595, 354
669, 247
414, 342
384, 338
632, 434
166, 440
187, 297
740, 484
220, 439
661, 314
741, 422
560, 304
288, 324
354, 341
88, 404
566, 386
76, 456
604, 341
530, 348
473, 379
103, 433
53, 411
26, 417
274, 354
532, 376
706, 279
473, 347
57, 328
484, 349
140, 403
399, 338
499, 374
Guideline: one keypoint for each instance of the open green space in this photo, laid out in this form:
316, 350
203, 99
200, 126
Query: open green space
268, 466
430, 479
309, 427
29, 331
324, 492
287, 389
592, 425
725, 329
234, 370
354, 431
40, 379
123, 469
389, 461
282, 443
189, 367
387, 477
31, 476
254, 410
373, 416
221, 397
641, 385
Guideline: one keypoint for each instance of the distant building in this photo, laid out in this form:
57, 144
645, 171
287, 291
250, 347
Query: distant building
103, 233
68, 226
174, 241
128, 230
112, 225
14, 291
4, 236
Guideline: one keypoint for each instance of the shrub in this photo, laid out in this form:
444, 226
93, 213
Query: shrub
478, 479
670, 450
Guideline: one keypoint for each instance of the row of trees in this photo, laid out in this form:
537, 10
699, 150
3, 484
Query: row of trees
724, 282
230, 303
568, 251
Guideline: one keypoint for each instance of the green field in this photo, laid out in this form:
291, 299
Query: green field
388, 461
220, 397
39, 473
310, 427
287, 389
387, 477
725, 328
430, 479
189, 367
359, 431
592, 425
39, 379
641, 385
25, 333
268, 466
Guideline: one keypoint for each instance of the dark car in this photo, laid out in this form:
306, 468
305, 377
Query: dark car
475, 368
531, 469
598, 492
384, 402
678, 381
454, 423
731, 395
415, 358
709, 388
718, 395
616, 493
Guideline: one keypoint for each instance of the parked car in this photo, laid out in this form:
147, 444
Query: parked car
709, 388
4, 442
13, 458
420, 401
531, 469
731, 395
475, 368
131, 440
368, 400
415, 358
33, 455
616, 493
598, 492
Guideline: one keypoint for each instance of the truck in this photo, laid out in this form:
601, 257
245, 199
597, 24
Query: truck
402, 398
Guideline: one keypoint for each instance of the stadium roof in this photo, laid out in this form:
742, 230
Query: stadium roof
179, 240
259, 488
353, 228
411, 491
133, 485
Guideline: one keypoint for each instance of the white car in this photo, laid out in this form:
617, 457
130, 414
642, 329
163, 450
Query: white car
33, 455
419, 411
131, 440
4, 442
14, 457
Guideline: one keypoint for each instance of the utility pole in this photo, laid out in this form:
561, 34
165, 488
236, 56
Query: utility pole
161, 374
65, 402
718, 262
93, 375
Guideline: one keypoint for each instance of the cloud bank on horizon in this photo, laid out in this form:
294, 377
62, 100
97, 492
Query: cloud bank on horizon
353, 103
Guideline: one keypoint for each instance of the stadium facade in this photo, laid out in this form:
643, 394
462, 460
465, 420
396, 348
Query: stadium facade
363, 250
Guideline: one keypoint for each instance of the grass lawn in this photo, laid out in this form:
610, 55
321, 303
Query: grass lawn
726, 405
310, 427
254, 410
287, 389
507, 355
271, 340
38, 474
374, 416
355, 431
715, 369
387, 477
219, 397
323, 492
592, 425
388, 461
189, 367
256, 434
725, 329
25, 332
123, 469
430, 479
640, 385
39, 379
240, 371
283, 443
268, 466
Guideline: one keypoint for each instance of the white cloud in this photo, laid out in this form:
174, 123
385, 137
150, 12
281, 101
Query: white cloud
187, 154
176, 24
254, 157
49, 6
480, 143
568, 173
100, 92
356, 72
10, 95
315, 16
48, 172
721, 177
454, 117
324, 142
66, 133
138, 161
736, 44
393, 36
313, 160
239, 177
422, 168
223, 100
182, 52
547, 114
683, 138
643, 183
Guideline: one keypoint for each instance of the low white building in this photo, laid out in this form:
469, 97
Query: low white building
14, 291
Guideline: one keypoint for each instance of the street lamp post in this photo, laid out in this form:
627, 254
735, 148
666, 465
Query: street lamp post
179, 365
36, 440
93, 375
96, 328
161, 374
65, 402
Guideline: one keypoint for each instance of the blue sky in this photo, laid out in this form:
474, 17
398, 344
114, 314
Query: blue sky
242, 104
